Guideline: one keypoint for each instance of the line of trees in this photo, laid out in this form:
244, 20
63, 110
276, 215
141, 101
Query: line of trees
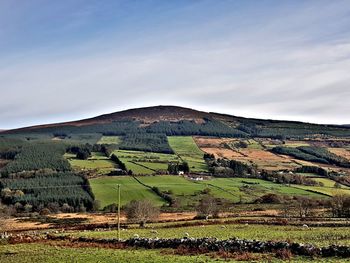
313, 154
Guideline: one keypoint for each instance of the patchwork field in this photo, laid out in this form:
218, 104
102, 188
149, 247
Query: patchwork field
186, 148
109, 140
250, 189
98, 163
146, 163
253, 154
188, 192
105, 190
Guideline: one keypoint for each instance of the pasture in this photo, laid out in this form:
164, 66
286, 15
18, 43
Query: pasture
98, 163
320, 236
145, 163
109, 140
188, 192
105, 190
186, 148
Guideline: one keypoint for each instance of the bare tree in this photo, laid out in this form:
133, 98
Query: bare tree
340, 205
141, 212
208, 207
3, 216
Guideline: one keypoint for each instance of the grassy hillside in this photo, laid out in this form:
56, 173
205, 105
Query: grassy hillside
98, 163
105, 190
188, 151
189, 192
145, 163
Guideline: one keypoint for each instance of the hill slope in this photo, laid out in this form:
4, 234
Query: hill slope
173, 120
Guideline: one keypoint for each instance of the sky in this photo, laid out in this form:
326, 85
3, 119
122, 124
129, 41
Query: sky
70, 59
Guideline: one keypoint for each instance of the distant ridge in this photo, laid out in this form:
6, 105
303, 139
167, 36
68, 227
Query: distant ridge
149, 115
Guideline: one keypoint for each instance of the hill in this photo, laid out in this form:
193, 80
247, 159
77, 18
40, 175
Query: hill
173, 120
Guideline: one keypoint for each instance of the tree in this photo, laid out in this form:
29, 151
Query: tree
340, 205
3, 215
96, 205
208, 207
83, 154
141, 212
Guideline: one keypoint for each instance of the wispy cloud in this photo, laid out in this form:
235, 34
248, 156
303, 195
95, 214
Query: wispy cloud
289, 61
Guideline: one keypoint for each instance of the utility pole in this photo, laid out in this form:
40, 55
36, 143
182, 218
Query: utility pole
118, 211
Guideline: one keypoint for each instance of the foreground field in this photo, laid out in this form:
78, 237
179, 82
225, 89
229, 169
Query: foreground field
41, 253
320, 236
56, 254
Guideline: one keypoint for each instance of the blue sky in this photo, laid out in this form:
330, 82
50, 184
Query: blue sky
66, 60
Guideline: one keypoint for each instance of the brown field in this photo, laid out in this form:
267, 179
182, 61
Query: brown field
262, 158
212, 142
341, 152
23, 224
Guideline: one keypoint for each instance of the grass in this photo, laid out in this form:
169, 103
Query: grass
97, 161
329, 183
189, 192
44, 253
250, 189
145, 163
109, 140
253, 144
105, 190
232, 189
187, 150
27, 253
320, 236
324, 190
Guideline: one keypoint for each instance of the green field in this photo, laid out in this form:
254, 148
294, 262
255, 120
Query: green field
187, 150
109, 140
105, 190
45, 253
98, 162
250, 189
188, 192
329, 183
320, 236
327, 189
28, 253
146, 163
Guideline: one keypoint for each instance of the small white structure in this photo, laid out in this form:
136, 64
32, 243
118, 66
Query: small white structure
181, 172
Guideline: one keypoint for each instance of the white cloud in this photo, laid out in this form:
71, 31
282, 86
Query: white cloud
279, 70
